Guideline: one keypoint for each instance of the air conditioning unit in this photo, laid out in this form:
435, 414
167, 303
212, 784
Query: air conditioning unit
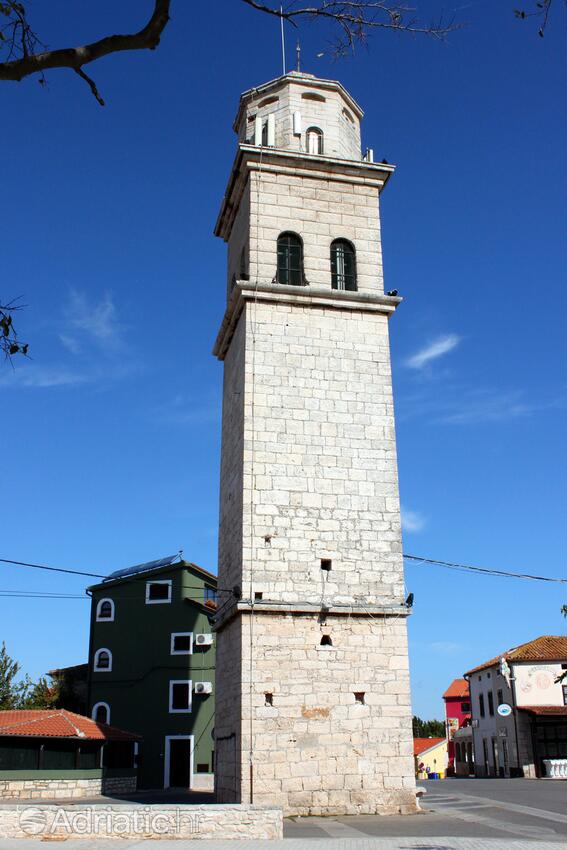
203, 688
204, 640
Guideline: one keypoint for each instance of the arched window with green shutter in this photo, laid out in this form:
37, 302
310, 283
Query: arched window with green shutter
290, 259
343, 265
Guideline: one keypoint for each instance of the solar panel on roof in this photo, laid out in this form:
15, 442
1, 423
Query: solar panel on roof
142, 568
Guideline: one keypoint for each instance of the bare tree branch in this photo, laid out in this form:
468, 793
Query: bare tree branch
357, 19
9, 343
542, 10
91, 83
24, 42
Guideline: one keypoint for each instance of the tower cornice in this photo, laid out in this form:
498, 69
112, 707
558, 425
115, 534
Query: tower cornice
302, 296
298, 609
252, 158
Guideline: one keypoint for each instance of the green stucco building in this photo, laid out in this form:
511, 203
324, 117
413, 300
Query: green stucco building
152, 667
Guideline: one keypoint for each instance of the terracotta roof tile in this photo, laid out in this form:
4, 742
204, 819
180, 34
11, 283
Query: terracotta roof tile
59, 723
545, 710
544, 648
421, 745
458, 689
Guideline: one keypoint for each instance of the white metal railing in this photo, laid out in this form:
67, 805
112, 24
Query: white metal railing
555, 768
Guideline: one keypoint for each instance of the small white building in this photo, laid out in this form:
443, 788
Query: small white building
519, 711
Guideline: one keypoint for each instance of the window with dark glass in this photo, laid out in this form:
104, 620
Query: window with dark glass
101, 713
491, 703
481, 704
180, 696
290, 259
182, 643
103, 660
465, 707
158, 591
564, 694
343, 265
210, 594
243, 272
105, 610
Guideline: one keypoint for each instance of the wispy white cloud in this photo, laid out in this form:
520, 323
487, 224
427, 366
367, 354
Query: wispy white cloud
96, 351
91, 322
480, 406
461, 405
37, 376
185, 410
437, 348
412, 521
71, 343
444, 647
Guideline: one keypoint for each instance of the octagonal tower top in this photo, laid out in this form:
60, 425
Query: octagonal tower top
302, 113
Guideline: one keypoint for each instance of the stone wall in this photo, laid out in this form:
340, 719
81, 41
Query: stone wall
320, 468
319, 207
129, 821
50, 789
334, 735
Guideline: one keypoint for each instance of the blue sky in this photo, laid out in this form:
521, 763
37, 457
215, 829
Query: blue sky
110, 435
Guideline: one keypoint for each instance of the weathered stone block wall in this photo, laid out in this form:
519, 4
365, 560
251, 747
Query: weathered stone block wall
49, 789
320, 208
137, 822
239, 240
320, 465
118, 785
316, 749
232, 460
228, 713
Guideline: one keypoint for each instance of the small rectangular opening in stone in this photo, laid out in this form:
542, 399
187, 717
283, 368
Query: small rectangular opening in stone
326, 564
326, 640
258, 595
359, 697
269, 698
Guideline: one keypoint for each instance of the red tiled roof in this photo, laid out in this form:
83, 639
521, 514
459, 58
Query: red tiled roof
544, 648
59, 723
421, 745
458, 689
545, 710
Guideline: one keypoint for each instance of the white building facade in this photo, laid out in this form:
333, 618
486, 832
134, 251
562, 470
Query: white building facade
519, 711
313, 701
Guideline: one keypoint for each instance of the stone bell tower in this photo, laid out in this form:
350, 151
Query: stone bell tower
313, 700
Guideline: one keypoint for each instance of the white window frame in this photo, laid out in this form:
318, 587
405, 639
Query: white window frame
167, 601
98, 669
167, 760
98, 705
314, 137
174, 651
100, 619
173, 682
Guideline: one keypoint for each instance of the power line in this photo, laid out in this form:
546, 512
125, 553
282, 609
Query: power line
135, 576
484, 570
451, 565
51, 569
15, 594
